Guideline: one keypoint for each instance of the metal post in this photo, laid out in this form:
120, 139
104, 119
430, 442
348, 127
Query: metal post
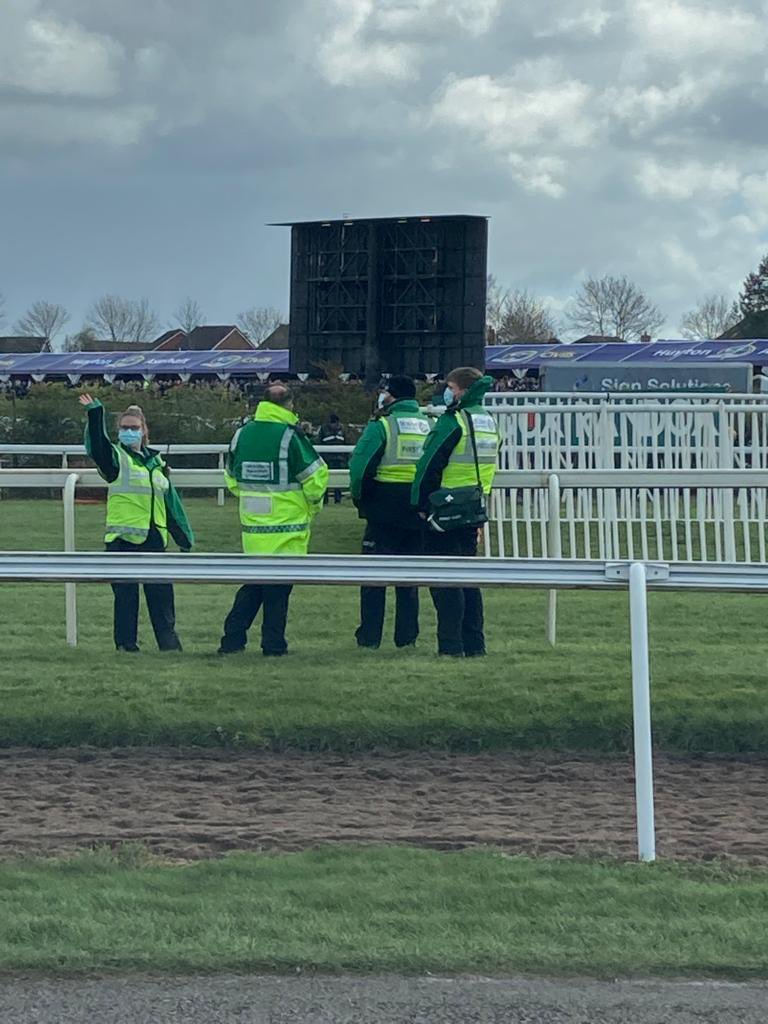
554, 545
220, 495
69, 545
641, 712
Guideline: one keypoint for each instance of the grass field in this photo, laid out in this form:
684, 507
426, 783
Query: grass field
382, 910
708, 662
375, 908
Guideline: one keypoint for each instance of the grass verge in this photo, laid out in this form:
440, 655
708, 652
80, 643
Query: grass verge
382, 909
708, 677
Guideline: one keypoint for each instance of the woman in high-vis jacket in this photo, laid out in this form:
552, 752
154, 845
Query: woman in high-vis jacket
143, 508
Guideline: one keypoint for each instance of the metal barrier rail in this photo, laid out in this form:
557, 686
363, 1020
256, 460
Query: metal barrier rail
354, 570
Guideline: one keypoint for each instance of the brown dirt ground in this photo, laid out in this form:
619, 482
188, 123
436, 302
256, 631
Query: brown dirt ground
191, 804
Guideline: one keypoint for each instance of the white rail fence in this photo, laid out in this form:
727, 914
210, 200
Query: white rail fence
687, 516
552, 575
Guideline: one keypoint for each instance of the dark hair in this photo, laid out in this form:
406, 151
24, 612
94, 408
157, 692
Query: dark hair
464, 376
400, 386
278, 394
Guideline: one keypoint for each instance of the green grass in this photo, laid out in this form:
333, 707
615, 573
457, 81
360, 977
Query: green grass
382, 910
708, 662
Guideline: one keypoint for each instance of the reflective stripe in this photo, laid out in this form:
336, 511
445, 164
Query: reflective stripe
285, 443
132, 531
283, 528
311, 468
269, 489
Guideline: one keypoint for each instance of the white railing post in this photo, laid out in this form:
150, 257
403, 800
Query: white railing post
641, 712
220, 495
68, 496
554, 545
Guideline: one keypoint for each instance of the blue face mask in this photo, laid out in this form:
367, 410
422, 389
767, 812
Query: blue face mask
448, 396
381, 401
129, 436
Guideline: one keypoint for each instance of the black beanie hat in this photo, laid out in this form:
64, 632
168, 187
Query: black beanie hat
400, 386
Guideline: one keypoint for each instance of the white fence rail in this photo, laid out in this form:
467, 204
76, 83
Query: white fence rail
347, 570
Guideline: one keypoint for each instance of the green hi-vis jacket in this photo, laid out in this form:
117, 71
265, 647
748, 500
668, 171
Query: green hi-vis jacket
280, 481
140, 494
383, 465
448, 459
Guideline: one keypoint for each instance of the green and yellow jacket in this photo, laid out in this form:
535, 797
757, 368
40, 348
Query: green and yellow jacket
280, 481
141, 496
383, 465
448, 460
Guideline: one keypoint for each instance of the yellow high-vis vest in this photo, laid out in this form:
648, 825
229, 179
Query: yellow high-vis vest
406, 433
136, 499
460, 470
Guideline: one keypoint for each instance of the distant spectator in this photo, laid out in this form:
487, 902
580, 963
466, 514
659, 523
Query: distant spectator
332, 433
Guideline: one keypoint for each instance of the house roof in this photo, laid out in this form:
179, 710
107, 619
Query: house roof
166, 335
99, 345
598, 339
754, 325
202, 339
278, 339
22, 343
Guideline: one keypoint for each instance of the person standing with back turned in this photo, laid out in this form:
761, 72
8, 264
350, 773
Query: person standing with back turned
460, 455
381, 472
143, 508
280, 481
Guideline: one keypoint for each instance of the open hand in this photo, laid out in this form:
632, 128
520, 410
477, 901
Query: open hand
85, 399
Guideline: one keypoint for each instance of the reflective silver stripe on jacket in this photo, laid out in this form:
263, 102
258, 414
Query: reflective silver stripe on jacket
311, 468
131, 531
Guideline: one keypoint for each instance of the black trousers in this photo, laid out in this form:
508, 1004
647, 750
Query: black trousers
248, 600
387, 539
459, 610
159, 598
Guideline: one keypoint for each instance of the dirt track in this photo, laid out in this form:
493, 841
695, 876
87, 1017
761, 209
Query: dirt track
193, 805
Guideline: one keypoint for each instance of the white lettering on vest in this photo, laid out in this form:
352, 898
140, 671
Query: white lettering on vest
256, 471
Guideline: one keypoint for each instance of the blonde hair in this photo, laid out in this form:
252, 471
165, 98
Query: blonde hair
138, 413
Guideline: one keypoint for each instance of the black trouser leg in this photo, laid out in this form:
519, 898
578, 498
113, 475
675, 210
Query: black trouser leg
126, 621
162, 615
373, 600
459, 610
410, 542
472, 634
449, 605
248, 600
276, 599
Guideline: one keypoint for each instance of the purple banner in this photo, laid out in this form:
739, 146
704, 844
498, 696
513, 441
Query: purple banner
127, 363
514, 357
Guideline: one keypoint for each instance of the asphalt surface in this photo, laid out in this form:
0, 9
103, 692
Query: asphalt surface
376, 1000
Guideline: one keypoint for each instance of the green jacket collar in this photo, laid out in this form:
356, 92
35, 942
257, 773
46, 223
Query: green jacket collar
476, 394
402, 405
268, 412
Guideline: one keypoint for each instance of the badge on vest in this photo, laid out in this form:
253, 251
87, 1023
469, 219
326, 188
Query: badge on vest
256, 471
408, 448
413, 425
482, 421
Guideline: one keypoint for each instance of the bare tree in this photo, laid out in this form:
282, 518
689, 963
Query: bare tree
712, 316
189, 315
145, 321
77, 342
45, 319
123, 320
517, 315
258, 322
2, 308
614, 307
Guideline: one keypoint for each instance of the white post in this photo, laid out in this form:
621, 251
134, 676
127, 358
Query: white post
554, 544
641, 712
69, 545
220, 496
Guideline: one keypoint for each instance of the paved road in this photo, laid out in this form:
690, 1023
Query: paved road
375, 1000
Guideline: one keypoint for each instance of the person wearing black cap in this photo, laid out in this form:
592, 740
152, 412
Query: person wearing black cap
382, 469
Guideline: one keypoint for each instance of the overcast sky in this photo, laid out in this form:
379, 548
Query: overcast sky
145, 144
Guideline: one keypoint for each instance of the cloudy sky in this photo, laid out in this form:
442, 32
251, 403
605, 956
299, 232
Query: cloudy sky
145, 145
